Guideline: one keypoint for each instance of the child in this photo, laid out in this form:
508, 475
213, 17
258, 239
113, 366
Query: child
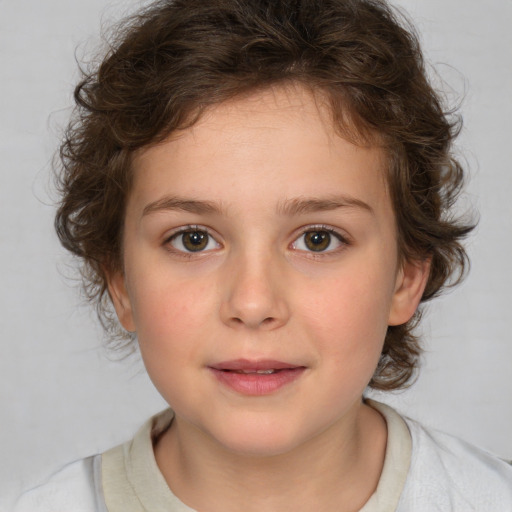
262, 189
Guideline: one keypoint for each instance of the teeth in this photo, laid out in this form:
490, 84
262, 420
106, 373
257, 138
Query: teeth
260, 372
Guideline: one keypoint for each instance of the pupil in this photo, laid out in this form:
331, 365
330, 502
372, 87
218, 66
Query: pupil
318, 240
195, 240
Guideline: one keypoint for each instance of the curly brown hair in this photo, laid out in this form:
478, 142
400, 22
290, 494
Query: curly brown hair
170, 62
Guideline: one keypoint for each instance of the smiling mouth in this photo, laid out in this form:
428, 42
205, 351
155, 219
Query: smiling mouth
254, 372
256, 378
259, 367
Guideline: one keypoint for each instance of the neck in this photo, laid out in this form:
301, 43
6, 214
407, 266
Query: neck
338, 470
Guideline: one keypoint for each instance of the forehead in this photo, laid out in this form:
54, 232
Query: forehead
277, 144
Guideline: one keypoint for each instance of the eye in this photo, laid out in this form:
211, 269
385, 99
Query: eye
319, 240
193, 240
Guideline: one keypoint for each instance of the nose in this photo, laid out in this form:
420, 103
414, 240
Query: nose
254, 294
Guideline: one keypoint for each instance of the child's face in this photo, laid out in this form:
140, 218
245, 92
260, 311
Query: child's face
258, 240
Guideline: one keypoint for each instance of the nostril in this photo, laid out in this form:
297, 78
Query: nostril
265, 322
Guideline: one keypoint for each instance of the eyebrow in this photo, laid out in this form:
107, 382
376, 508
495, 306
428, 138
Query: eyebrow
297, 206
310, 205
187, 205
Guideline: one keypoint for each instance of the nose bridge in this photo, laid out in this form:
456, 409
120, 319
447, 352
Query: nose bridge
254, 292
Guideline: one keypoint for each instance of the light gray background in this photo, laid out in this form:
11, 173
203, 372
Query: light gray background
62, 398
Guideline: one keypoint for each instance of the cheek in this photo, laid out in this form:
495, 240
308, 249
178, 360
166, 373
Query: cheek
171, 322
349, 316
169, 315
163, 299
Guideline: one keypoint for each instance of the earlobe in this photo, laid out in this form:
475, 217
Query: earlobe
410, 284
121, 300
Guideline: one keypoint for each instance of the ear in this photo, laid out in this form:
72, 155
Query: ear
121, 300
410, 283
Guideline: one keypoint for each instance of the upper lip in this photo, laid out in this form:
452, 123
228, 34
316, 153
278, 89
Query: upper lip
246, 365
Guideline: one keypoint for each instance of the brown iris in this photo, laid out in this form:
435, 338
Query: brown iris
194, 241
317, 240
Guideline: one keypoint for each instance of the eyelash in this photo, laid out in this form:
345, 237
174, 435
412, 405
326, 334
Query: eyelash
343, 240
188, 229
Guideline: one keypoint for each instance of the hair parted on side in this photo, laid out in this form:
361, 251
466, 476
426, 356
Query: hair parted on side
173, 60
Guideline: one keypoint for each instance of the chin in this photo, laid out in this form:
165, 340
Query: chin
260, 438
261, 448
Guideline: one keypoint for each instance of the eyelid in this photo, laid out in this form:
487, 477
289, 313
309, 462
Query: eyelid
187, 227
342, 237
184, 229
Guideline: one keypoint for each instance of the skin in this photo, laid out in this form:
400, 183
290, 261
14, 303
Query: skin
257, 173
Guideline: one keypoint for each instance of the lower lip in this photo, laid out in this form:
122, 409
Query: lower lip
257, 384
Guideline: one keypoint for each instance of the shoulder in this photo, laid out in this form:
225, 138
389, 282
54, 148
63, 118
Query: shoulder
75, 488
450, 474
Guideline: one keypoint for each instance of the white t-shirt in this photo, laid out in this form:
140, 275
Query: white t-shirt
424, 471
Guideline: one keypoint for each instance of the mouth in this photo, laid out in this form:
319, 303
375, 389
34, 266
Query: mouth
259, 366
252, 372
256, 377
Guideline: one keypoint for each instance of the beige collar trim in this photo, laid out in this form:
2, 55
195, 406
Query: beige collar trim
132, 481
396, 462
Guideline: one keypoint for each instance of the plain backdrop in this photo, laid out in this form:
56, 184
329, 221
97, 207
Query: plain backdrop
63, 396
